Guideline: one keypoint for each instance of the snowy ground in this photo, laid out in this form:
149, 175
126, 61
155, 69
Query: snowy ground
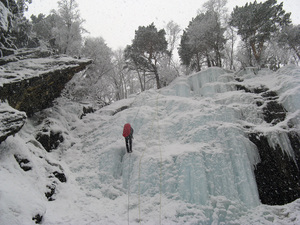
191, 163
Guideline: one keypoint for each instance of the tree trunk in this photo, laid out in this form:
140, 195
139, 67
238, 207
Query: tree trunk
208, 60
231, 54
156, 76
140, 78
257, 52
157, 80
141, 81
198, 63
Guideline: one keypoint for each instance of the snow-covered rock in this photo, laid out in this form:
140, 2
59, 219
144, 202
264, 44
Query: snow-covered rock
11, 121
29, 81
4, 17
31, 84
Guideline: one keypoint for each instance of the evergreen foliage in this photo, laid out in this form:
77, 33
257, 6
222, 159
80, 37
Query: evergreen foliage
291, 36
148, 47
257, 23
203, 41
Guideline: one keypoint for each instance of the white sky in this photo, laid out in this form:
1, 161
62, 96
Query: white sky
116, 20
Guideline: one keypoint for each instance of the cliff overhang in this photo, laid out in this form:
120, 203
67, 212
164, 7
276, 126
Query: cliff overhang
32, 78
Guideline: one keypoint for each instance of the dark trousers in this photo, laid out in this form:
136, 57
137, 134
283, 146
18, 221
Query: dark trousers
128, 143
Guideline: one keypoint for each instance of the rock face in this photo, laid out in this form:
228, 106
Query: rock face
31, 84
11, 121
277, 174
29, 81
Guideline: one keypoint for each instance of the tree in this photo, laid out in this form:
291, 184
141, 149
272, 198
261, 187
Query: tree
229, 46
148, 47
218, 6
100, 53
122, 77
96, 83
68, 29
257, 23
136, 63
42, 26
203, 41
276, 56
290, 35
21, 31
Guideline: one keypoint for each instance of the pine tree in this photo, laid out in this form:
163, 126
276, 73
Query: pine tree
257, 23
291, 37
147, 48
203, 41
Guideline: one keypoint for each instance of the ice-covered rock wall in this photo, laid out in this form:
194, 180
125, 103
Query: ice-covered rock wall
192, 140
189, 145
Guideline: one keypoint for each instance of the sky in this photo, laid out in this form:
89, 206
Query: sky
117, 20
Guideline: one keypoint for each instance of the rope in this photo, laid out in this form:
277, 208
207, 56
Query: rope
139, 176
128, 186
128, 205
160, 174
140, 173
147, 143
136, 113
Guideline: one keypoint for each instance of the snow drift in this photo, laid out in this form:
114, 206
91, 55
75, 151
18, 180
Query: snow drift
192, 160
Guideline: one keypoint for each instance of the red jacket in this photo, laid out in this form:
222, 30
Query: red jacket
126, 130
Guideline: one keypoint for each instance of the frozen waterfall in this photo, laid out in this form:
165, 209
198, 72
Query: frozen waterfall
196, 155
189, 144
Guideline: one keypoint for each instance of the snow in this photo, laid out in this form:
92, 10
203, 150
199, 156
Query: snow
34, 67
192, 162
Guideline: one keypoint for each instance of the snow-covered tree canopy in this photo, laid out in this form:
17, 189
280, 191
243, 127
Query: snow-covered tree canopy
258, 22
148, 47
291, 36
203, 41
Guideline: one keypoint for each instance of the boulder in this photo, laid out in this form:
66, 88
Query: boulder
11, 121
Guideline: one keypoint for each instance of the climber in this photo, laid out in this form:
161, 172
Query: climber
127, 134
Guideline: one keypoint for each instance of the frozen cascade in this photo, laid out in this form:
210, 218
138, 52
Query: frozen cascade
192, 160
206, 154
196, 129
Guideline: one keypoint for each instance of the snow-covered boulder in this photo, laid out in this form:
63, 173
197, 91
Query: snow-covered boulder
11, 121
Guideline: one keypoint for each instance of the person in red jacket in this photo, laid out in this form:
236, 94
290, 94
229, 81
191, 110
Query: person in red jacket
128, 135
